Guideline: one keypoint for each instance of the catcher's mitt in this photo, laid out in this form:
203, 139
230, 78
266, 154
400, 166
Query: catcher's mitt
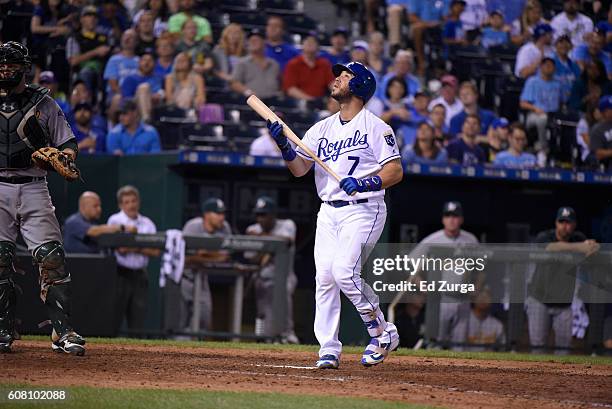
53, 159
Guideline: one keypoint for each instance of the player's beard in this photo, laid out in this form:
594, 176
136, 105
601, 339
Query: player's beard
341, 95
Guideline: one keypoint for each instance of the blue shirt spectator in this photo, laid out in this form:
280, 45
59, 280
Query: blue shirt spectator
424, 150
76, 239
584, 54
566, 72
281, 53
145, 75
132, 136
462, 153
412, 83
429, 11
542, 93
605, 27
492, 37
514, 156
486, 119
119, 67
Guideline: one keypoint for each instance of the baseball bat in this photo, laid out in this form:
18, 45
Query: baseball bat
266, 113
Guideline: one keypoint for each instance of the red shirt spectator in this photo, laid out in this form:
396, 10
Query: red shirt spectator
308, 76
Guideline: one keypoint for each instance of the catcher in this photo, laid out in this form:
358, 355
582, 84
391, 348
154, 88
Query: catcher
31, 126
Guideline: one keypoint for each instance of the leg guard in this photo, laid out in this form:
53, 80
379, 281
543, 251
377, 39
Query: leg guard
54, 285
7, 295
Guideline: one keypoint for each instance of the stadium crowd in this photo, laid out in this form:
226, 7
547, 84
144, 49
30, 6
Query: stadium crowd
518, 84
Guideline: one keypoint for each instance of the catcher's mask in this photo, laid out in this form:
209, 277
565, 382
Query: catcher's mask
14, 63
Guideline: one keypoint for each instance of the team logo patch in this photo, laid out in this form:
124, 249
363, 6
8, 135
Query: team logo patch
390, 140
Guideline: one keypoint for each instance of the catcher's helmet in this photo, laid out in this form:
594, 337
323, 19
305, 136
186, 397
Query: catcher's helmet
14, 54
363, 84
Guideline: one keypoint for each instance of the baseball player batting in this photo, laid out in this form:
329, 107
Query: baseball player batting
31, 122
362, 148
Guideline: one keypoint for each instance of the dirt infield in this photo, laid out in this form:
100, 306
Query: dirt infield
440, 382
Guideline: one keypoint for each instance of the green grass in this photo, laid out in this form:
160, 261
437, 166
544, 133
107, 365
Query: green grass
490, 356
86, 398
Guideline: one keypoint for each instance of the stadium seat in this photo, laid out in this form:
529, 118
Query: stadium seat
300, 24
240, 130
562, 143
510, 97
249, 21
241, 6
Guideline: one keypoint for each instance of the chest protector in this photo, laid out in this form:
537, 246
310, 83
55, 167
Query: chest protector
20, 132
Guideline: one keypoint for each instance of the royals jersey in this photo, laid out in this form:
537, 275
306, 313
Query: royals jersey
359, 148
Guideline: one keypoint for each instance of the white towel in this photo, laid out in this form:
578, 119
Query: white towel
173, 260
580, 318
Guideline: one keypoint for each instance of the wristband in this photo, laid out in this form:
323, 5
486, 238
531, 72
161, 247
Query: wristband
287, 151
372, 183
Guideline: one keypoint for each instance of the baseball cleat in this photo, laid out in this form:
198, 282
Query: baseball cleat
6, 340
70, 343
380, 346
328, 362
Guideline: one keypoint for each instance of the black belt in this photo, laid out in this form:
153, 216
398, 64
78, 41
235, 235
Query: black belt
342, 203
20, 180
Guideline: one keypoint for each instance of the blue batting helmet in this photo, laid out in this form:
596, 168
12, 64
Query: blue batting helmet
363, 84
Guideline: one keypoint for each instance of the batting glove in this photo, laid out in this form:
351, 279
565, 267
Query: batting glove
352, 185
276, 132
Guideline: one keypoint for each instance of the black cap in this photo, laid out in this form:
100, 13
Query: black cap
567, 214
214, 205
458, 2
127, 105
265, 205
256, 32
452, 208
341, 31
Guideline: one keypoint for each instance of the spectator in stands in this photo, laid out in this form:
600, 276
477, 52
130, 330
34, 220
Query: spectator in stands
81, 229
474, 17
90, 139
159, 10
551, 289
515, 156
51, 24
146, 34
402, 67
145, 87
424, 15
437, 120
47, 79
583, 137
418, 113
396, 111
541, 96
276, 46
448, 98
601, 134
200, 51
566, 70
395, 13
593, 50
87, 50
589, 87
530, 55
359, 52
424, 149
184, 88
378, 62
229, 51
464, 150
132, 136
453, 34
572, 23
307, 76
164, 49
468, 93
497, 32
211, 223
511, 10
496, 139
256, 73
477, 330
605, 26
338, 53
80, 94
176, 21
523, 27
113, 20
264, 145
132, 278
119, 67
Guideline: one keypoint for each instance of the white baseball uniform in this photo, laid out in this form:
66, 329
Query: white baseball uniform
358, 148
